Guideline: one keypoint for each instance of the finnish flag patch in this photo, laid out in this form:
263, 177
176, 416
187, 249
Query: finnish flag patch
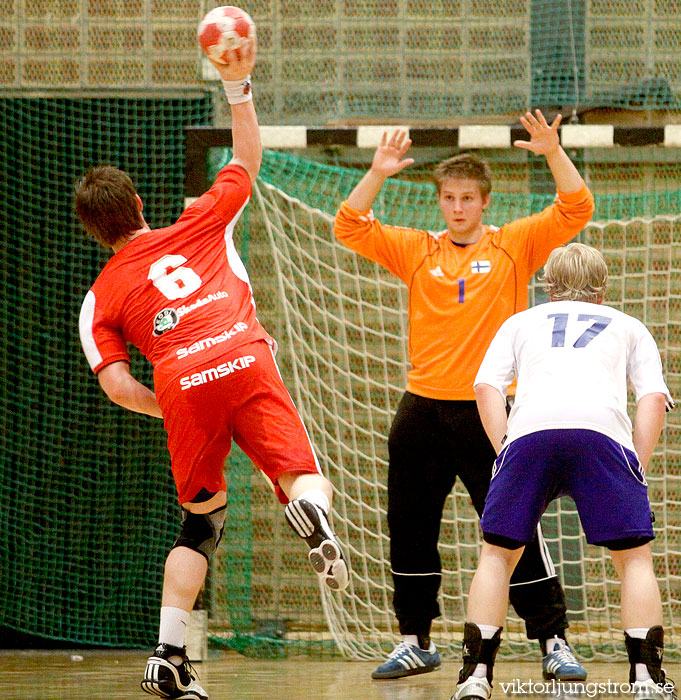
480, 266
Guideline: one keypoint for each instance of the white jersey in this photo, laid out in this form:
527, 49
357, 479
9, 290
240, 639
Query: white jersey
572, 360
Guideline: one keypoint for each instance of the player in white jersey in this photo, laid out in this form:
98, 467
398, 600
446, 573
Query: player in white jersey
568, 433
182, 296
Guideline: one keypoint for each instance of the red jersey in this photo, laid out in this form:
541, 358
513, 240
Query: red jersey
181, 294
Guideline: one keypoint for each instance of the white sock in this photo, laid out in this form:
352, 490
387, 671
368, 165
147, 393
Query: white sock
641, 670
411, 639
317, 497
487, 632
173, 626
554, 643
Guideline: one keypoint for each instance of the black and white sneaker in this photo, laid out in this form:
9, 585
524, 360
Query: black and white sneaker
309, 522
473, 688
166, 680
649, 690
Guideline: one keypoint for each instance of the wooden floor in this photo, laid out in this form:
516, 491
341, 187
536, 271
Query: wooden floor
115, 675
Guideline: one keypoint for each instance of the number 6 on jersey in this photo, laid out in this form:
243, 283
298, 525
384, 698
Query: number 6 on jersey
172, 280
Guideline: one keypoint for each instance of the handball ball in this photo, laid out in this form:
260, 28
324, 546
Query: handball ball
225, 28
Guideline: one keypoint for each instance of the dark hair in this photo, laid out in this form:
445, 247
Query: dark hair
464, 167
106, 205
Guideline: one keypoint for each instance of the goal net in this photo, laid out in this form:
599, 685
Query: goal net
341, 324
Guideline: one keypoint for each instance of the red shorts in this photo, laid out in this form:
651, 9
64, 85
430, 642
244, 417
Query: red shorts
241, 396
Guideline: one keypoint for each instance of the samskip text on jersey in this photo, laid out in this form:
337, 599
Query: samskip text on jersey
199, 345
212, 373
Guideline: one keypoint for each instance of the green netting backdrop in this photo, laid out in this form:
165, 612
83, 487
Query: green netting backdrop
87, 505
86, 498
331, 60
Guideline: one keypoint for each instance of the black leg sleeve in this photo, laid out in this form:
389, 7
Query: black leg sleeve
417, 489
541, 601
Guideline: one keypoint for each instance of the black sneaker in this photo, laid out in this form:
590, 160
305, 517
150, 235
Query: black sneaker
167, 680
309, 522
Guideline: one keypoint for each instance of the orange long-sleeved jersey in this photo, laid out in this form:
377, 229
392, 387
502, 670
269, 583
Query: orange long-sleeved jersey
460, 296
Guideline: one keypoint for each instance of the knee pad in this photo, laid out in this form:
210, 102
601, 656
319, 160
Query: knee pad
202, 532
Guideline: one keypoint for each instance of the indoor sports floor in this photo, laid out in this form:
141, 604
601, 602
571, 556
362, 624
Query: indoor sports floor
115, 675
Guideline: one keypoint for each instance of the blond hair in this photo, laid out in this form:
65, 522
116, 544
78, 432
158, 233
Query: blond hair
576, 272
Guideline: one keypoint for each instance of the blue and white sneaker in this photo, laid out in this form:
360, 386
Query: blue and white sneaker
325, 555
408, 660
561, 664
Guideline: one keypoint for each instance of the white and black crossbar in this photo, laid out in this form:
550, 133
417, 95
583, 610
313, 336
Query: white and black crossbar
200, 139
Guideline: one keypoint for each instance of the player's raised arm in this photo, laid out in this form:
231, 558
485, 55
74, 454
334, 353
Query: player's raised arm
388, 161
544, 140
236, 79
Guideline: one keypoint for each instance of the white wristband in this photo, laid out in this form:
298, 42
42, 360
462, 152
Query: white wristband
238, 91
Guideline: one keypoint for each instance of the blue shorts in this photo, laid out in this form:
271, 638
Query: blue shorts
604, 479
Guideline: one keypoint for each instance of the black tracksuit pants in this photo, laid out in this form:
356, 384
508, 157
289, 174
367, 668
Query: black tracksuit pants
431, 443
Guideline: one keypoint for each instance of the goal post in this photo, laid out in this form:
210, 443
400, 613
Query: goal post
341, 324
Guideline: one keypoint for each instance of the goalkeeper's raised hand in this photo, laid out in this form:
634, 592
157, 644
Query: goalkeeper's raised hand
389, 157
544, 138
388, 161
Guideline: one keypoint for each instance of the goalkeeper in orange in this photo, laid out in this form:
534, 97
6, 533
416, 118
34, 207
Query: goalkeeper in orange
463, 282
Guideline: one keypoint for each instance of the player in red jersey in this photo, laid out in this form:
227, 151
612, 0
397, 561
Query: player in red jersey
182, 296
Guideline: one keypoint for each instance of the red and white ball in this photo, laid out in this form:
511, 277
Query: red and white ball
225, 28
